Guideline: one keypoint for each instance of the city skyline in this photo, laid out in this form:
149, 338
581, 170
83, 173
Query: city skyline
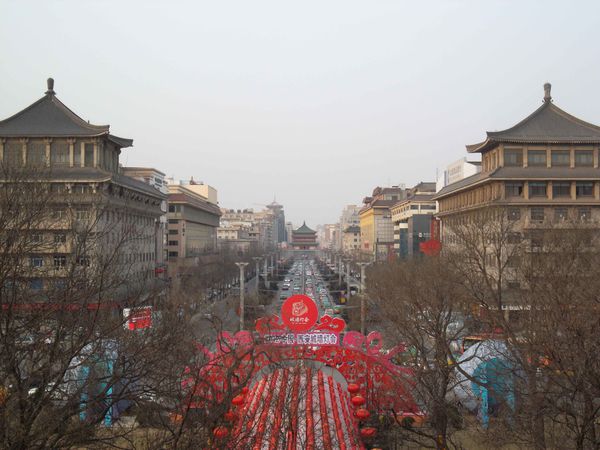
250, 102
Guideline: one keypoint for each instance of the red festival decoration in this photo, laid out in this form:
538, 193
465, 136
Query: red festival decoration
433, 246
362, 413
238, 400
368, 432
299, 313
358, 400
220, 432
230, 416
367, 368
353, 388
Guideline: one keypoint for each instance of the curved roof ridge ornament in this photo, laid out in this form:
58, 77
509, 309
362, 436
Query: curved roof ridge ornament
50, 85
547, 91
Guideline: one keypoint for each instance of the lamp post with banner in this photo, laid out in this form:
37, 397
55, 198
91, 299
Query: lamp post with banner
242, 266
363, 305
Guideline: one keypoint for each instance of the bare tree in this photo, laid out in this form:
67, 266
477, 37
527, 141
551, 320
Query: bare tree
538, 286
424, 309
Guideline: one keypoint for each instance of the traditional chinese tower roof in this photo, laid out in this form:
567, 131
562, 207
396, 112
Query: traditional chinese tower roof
304, 229
304, 238
49, 117
548, 125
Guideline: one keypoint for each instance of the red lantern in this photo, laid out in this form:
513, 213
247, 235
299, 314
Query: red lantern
244, 390
238, 400
229, 416
358, 400
362, 414
220, 432
368, 432
353, 388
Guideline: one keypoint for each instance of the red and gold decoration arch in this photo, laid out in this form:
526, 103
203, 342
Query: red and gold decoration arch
300, 378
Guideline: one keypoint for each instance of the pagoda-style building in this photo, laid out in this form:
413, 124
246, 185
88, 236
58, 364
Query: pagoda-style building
304, 238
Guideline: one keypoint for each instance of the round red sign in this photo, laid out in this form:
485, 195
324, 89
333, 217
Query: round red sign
299, 313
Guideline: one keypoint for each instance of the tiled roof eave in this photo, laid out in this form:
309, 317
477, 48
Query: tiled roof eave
121, 142
440, 195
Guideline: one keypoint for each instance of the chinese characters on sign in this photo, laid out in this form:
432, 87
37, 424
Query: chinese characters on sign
302, 339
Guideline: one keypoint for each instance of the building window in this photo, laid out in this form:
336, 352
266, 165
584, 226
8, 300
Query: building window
561, 158
83, 261
36, 238
536, 158
536, 239
584, 189
60, 284
537, 213
89, 155
173, 231
82, 214
513, 261
173, 254
13, 154
514, 189
59, 154
60, 261
584, 158
36, 284
514, 213
36, 154
171, 208
560, 214
81, 189
76, 155
174, 221
413, 207
584, 214
60, 238
561, 189
537, 189
513, 158
36, 261
173, 242
58, 214
514, 238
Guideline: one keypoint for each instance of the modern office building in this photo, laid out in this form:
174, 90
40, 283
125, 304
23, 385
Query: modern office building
412, 219
376, 227
192, 222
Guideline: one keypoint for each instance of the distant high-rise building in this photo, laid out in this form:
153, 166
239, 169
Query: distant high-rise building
279, 233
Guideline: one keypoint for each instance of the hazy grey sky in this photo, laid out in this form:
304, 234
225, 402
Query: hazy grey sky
316, 102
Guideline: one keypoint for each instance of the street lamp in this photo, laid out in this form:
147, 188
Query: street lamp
265, 269
242, 266
347, 261
256, 261
363, 306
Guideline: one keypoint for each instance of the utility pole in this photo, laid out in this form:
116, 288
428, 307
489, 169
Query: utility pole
347, 278
272, 264
242, 266
265, 271
257, 261
363, 306
303, 279
340, 268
